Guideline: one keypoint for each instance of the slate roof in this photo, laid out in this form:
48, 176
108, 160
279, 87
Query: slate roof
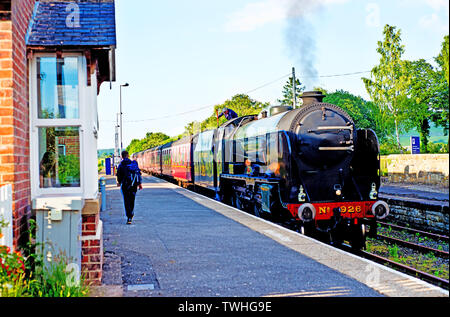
54, 23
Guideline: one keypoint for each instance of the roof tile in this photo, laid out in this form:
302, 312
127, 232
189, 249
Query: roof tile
49, 27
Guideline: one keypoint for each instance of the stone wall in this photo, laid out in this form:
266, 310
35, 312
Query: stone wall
428, 169
418, 214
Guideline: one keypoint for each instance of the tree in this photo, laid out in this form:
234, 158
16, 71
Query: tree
135, 146
442, 59
288, 98
423, 98
242, 104
441, 104
151, 140
389, 81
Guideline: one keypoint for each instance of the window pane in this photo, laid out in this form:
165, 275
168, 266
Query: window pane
59, 157
57, 88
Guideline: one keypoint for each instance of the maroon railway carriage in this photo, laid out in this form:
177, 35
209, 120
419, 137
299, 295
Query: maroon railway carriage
154, 160
173, 160
139, 157
181, 155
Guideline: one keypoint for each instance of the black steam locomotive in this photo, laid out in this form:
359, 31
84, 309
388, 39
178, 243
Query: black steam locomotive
310, 165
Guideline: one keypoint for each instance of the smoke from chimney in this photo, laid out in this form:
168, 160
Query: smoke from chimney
300, 39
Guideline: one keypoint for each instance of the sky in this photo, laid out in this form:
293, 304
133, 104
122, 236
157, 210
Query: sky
181, 58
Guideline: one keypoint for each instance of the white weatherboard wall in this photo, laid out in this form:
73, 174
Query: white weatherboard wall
90, 134
6, 215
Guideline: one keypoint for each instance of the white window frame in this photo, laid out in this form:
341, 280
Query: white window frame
36, 123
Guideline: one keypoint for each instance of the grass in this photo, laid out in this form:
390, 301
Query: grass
428, 263
28, 276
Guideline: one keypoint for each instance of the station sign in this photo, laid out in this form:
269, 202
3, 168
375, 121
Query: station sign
415, 145
108, 166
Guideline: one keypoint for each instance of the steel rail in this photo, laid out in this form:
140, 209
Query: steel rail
406, 269
411, 230
414, 246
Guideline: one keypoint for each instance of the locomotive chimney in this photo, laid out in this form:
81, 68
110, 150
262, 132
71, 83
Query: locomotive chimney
310, 97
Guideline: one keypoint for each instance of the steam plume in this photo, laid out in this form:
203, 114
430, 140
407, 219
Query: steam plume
301, 40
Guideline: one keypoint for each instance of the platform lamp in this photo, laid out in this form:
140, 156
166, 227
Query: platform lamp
121, 143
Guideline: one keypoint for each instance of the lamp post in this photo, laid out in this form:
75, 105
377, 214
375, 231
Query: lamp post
121, 143
294, 89
116, 141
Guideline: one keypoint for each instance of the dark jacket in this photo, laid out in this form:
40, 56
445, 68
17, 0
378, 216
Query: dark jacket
230, 115
123, 173
121, 170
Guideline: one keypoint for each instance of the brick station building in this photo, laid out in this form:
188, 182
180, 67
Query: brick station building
54, 56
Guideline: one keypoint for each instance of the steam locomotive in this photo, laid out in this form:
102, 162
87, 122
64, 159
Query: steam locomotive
310, 166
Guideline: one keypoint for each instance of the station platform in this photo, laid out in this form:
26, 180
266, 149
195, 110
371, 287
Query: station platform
182, 244
427, 194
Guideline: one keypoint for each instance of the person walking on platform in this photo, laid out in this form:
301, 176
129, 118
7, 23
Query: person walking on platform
228, 113
130, 179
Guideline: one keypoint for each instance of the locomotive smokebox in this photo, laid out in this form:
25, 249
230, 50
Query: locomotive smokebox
310, 97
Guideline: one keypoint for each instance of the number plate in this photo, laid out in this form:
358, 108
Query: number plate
352, 209
324, 211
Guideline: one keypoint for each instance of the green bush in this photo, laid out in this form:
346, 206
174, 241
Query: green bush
100, 165
436, 148
69, 170
384, 162
390, 148
56, 281
27, 276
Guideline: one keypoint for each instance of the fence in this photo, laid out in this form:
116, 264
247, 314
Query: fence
6, 236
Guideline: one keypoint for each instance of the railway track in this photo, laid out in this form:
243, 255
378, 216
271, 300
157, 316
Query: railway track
418, 247
430, 278
414, 231
443, 283
412, 245
423, 249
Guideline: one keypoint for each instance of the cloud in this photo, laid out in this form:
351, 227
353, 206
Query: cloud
434, 15
258, 14
433, 22
438, 4
433, 4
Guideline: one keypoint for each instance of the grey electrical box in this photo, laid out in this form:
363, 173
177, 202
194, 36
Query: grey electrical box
58, 220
